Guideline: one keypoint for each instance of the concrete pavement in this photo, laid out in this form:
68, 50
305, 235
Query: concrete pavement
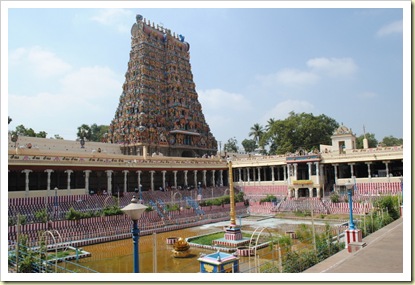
383, 253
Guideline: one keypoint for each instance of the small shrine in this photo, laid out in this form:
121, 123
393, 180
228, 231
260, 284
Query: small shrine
181, 248
219, 262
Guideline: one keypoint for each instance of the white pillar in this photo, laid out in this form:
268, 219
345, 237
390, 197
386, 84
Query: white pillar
247, 172
213, 178
69, 172
221, 177
295, 171
138, 178
368, 169
351, 169
204, 178
253, 174
296, 193
259, 174
152, 179
175, 178
163, 173
26, 171
387, 167
335, 173
125, 180
310, 192
272, 174
317, 172
195, 177
239, 172
49, 171
87, 172
185, 178
309, 169
285, 172
109, 181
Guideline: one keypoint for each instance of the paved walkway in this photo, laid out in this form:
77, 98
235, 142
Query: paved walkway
383, 253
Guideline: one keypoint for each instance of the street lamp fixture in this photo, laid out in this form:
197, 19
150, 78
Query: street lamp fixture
349, 186
134, 210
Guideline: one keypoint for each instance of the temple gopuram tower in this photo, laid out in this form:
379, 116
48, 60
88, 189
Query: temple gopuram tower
159, 111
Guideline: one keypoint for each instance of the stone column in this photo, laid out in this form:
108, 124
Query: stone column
221, 177
317, 172
309, 169
368, 169
272, 174
259, 174
318, 192
49, 171
185, 177
204, 178
195, 177
87, 172
163, 173
152, 179
175, 178
109, 181
213, 178
335, 173
125, 180
295, 171
138, 179
285, 172
239, 173
69, 172
296, 193
387, 167
253, 174
351, 169
247, 172
26, 172
310, 192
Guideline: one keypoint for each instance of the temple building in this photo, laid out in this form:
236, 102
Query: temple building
158, 111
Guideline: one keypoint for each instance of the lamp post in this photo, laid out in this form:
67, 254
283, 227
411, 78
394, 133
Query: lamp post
349, 186
134, 210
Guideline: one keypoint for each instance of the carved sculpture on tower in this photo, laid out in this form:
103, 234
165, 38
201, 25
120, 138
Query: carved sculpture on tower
159, 111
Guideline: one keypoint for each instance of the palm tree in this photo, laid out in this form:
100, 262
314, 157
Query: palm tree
256, 132
270, 122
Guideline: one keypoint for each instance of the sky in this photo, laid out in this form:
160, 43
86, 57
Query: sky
66, 66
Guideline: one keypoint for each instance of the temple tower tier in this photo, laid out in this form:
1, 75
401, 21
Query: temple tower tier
159, 111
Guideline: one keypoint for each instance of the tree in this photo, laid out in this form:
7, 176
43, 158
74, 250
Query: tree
372, 141
23, 131
231, 145
93, 133
299, 131
249, 145
57, 137
10, 120
256, 131
391, 141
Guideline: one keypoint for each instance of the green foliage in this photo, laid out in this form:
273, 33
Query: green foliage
72, 214
304, 213
269, 198
112, 210
28, 132
249, 145
372, 141
231, 145
389, 204
174, 207
304, 233
256, 131
298, 130
391, 141
42, 216
334, 198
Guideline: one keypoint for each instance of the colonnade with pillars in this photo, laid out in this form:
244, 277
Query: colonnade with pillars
216, 178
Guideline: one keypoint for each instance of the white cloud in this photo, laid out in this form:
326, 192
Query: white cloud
333, 67
38, 61
220, 100
118, 18
282, 109
86, 96
391, 28
289, 77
